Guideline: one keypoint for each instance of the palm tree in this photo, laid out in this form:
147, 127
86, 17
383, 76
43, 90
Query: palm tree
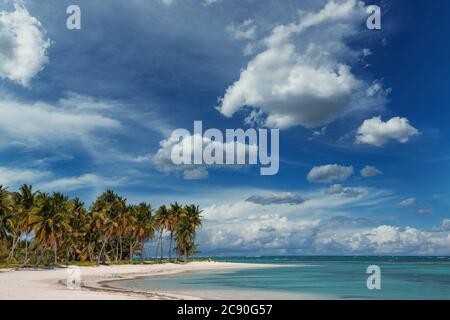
189, 222
25, 206
162, 219
63, 230
174, 214
5, 211
52, 224
143, 228
106, 209
78, 221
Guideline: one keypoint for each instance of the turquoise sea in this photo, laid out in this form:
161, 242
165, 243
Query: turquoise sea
311, 278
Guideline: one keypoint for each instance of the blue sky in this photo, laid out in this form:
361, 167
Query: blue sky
90, 109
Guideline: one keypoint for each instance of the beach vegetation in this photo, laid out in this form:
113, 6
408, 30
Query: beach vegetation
41, 229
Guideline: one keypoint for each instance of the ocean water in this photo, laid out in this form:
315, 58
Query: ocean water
405, 278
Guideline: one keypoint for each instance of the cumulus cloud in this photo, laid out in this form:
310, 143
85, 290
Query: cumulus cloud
23, 45
302, 83
244, 31
329, 173
387, 239
445, 226
276, 198
190, 171
408, 202
277, 234
377, 132
370, 171
319, 225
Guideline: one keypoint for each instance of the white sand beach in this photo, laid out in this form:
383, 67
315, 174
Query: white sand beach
50, 284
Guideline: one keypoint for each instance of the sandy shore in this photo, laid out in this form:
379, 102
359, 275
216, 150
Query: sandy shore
98, 282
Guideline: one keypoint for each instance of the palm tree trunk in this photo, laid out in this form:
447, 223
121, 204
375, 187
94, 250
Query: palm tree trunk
131, 252
117, 252
13, 247
143, 255
170, 246
157, 245
121, 248
55, 248
185, 255
26, 248
105, 241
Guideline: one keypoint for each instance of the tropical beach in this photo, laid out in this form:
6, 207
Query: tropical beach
215, 150
42, 284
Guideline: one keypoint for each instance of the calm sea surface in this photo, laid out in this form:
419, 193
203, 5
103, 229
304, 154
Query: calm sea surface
321, 278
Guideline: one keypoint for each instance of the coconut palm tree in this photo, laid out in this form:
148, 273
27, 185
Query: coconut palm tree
5, 211
162, 219
106, 209
52, 224
64, 230
143, 228
78, 221
26, 210
174, 214
188, 224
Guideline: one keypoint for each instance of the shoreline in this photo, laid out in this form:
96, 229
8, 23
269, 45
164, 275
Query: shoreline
98, 282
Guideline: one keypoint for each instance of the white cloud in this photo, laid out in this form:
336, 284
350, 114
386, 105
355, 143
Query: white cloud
367, 52
23, 45
168, 2
445, 226
80, 182
277, 234
424, 212
302, 83
163, 157
370, 171
210, 2
246, 30
348, 192
329, 173
33, 124
276, 198
393, 240
195, 174
408, 202
13, 177
376, 132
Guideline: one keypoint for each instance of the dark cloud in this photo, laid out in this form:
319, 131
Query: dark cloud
276, 198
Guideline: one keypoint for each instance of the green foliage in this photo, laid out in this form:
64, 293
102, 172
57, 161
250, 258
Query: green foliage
3, 251
42, 229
